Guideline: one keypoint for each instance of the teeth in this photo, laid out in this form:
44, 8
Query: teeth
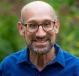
40, 41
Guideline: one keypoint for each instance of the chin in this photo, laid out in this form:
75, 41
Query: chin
41, 51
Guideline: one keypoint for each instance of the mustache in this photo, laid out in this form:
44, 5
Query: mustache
44, 38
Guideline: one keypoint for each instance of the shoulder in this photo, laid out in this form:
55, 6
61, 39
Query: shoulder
11, 59
71, 63
71, 60
69, 56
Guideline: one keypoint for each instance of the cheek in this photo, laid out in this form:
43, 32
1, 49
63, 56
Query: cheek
53, 36
28, 36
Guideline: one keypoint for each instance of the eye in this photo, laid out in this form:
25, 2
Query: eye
47, 24
32, 26
25, 24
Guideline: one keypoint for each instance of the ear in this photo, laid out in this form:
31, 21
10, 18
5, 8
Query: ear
56, 27
21, 28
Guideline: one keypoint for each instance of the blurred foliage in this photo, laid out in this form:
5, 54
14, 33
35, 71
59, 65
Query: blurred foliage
67, 10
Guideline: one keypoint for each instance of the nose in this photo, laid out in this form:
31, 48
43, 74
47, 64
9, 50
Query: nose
40, 32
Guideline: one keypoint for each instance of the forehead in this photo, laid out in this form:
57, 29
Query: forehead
38, 13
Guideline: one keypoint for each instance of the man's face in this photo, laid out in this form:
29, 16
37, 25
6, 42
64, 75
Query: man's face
41, 40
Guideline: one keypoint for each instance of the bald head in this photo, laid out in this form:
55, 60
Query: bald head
41, 26
37, 6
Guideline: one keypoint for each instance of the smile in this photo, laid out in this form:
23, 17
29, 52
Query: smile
41, 44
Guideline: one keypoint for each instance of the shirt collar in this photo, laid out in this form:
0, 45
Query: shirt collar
59, 56
24, 56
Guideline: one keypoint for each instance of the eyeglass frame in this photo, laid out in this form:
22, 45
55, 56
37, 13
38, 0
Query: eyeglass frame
26, 24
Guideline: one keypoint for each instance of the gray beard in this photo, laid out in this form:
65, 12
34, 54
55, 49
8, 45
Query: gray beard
41, 51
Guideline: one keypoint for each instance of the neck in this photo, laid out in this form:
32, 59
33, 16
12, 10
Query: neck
42, 60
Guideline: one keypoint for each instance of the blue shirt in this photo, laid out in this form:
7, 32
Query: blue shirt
18, 64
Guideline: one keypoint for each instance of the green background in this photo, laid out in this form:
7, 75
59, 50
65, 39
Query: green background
68, 38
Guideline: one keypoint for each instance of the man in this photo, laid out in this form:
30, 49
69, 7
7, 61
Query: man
39, 26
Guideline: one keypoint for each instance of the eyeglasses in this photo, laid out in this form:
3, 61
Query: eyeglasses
33, 27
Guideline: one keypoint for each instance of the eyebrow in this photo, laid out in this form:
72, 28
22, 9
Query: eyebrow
34, 21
